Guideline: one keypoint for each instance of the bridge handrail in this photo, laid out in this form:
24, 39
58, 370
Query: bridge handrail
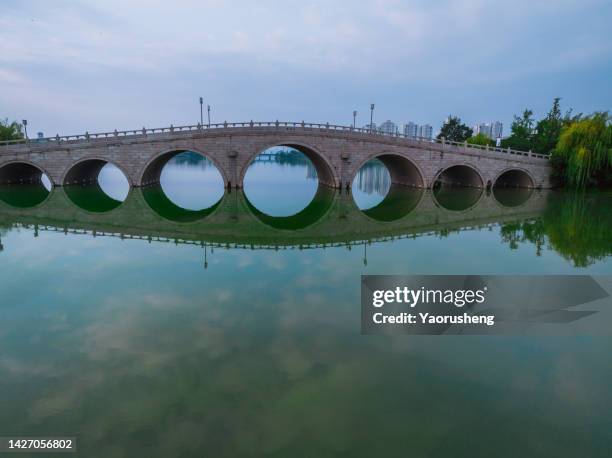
141, 133
234, 245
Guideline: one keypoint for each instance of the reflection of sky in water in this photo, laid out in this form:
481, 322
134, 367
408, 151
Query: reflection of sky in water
138, 350
261, 353
46, 182
192, 185
113, 182
280, 188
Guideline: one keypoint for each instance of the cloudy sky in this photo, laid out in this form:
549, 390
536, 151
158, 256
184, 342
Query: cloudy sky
71, 66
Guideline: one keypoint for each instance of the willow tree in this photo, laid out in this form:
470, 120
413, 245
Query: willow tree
585, 150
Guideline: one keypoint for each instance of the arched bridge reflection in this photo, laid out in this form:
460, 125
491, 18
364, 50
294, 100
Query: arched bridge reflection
160, 203
332, 218
313, 212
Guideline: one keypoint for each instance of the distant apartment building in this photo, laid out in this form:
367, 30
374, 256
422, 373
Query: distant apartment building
490, 129
425, 131
497, 129
410, 129
388, 127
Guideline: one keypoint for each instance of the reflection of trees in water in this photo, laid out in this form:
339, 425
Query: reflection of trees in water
373, 177
272, 155
575, 225
192, 159
287, 157
23, 196
91, 198
519, 232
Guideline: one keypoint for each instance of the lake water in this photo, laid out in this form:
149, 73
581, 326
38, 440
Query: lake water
185, 321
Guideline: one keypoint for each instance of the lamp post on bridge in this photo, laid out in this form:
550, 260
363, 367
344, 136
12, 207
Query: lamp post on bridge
201, 112
371, 116
25, 127
208, 109
354, 117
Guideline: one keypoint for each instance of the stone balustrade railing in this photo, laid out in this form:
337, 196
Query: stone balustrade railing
144, 132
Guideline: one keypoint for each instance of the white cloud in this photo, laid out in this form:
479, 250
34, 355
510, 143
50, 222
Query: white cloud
66, 53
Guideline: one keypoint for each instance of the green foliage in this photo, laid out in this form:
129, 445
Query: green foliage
576, 224
10, 131
540, 137
548, 130
480, 139
581, 213
454, 130
584, 151
522, 129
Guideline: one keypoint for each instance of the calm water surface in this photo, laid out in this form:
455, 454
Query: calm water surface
182, 321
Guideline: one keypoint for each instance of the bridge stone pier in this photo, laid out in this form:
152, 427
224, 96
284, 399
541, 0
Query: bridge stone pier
337, 152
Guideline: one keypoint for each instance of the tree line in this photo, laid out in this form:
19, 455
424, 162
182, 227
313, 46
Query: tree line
579, 146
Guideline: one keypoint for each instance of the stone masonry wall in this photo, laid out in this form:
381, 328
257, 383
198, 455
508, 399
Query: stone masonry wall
336, 154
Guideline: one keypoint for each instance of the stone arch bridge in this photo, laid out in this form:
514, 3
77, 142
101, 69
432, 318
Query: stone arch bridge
337, 152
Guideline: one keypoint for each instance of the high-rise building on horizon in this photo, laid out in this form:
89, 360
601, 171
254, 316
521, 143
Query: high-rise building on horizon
425, 131
388, 127
410, 129
371, 127
497, 129
492, 129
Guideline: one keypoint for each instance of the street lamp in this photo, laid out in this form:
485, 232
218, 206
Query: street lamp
354, 117
371, 116
208, 109
201, 113
25, 126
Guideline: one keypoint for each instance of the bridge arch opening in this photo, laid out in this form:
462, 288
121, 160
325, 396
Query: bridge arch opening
461, 175
284, 180
512, 197
387, 188
96, 185
23, 185
457, 199
398, 203
514, 178
185, 179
